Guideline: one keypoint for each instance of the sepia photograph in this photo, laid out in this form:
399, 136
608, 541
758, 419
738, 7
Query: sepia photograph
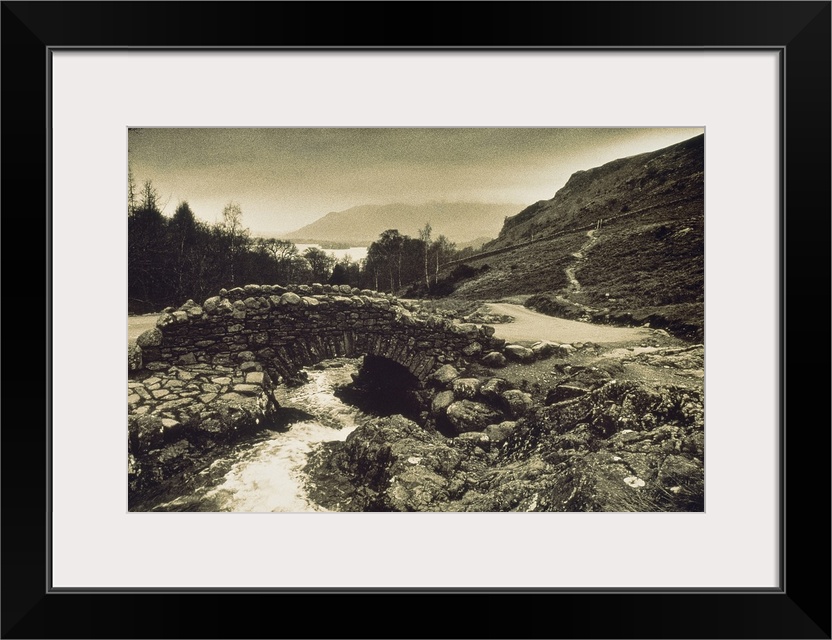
416, 319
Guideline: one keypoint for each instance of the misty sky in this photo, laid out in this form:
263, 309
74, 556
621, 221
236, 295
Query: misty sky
286, 178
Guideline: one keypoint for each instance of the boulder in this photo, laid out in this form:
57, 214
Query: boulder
134, 357
565, 350
494, 359
487, 330
145, 433
150, 338
194, 310
212, 305
416, 488
290, 298
545, 349
492, 388
238, 310
517, 403
444, 374
678, 470
465, 388
441, 402
467, 329
498, 433
466, 415
472, 349
518, 353
397, 465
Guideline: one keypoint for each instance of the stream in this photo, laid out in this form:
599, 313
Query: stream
265, 474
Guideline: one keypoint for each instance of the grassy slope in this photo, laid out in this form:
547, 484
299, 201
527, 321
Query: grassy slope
533, 269
647, 264
627, 184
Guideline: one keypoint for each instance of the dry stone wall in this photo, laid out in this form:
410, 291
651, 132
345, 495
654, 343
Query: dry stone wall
286, 328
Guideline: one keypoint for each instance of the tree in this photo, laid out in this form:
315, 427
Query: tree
149, 197
182, 234
443, 250
346, 271
391, 243
283, 252
299, 270
146, 250
236, 235
131, 192
424, 236
340, 274
374, 263
320, 262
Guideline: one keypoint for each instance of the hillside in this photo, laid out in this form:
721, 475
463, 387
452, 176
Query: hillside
618, 187
459, 221
644, 264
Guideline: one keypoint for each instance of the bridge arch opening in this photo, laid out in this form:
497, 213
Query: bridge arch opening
384, 387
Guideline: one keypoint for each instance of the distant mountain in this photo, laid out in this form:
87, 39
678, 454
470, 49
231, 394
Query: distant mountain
460, 222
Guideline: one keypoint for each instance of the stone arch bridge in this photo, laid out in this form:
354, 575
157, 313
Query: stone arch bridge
206, 373
282, 329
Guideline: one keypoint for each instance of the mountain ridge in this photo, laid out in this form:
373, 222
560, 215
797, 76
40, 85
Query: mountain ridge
608, 190
459, 221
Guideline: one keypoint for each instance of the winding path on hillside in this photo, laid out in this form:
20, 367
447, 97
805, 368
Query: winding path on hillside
530, 326
580, 256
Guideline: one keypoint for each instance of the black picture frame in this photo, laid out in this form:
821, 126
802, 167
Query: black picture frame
799, 31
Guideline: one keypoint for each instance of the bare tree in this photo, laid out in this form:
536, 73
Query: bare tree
131, 192
149, 197
424, 236
443, 248
237, 235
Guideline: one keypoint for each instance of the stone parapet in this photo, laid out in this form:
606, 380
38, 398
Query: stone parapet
283, 329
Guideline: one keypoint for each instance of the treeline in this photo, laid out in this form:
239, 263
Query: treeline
397, 263
174, 258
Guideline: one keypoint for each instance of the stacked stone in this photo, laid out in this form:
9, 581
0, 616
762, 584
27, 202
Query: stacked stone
519, 353
180, 392
287, 328
181, 411
482, 409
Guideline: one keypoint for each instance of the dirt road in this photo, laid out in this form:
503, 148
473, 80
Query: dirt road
137, 325
530, 326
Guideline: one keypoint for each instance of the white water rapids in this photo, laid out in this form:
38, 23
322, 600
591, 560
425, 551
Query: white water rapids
265, 475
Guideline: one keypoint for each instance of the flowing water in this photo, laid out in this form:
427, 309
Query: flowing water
266, 474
